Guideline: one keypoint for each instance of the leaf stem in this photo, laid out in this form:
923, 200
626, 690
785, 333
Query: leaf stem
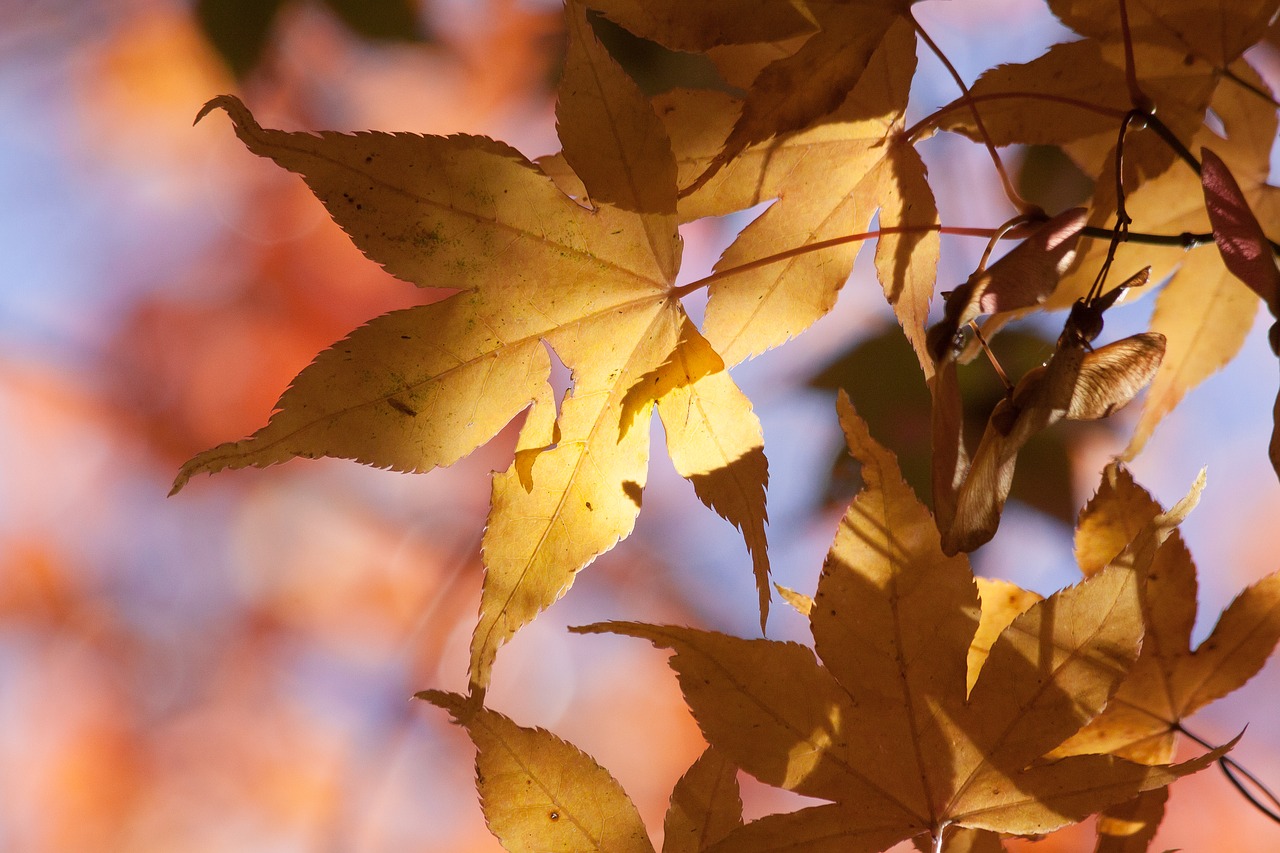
931, 120
1230, 767
1016, 200
1249, 87
1123, 220
1184, 241
779, 257
1137, 97
1171, 139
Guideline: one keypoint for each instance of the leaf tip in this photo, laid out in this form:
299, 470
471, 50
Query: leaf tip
226, 102
461, 708
241, 118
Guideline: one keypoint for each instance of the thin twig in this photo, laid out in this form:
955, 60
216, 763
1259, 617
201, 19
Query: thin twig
991, 357
1230, 767
1016, 200
967, 103
1185, 241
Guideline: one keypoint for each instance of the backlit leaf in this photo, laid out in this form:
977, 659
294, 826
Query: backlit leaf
1170, 682
541, 793
880, 723
422, 387
1218, 37
705, 805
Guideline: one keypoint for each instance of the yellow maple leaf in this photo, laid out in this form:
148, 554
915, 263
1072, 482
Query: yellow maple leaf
705, 805
1075, 96
424, 386
541, 793
884, 725
1169, 682
785, 269
1219, 38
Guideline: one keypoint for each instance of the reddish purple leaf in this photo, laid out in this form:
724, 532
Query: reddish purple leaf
1245, 249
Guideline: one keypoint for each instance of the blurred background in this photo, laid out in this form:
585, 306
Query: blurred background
231, 669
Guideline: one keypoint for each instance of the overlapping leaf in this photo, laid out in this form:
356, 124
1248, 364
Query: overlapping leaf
1218, 37
1169, 682
424, 386
784, 270
884, 726
795, 90
1203, 310
1075, 95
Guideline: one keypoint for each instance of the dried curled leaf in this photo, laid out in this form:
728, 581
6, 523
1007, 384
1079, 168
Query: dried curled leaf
1020, 279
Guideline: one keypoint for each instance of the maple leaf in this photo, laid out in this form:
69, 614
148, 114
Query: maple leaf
1080, 95
1124, 525
541, 793
1219, 38
784, 270
1169, 681
424, 386
883, 725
